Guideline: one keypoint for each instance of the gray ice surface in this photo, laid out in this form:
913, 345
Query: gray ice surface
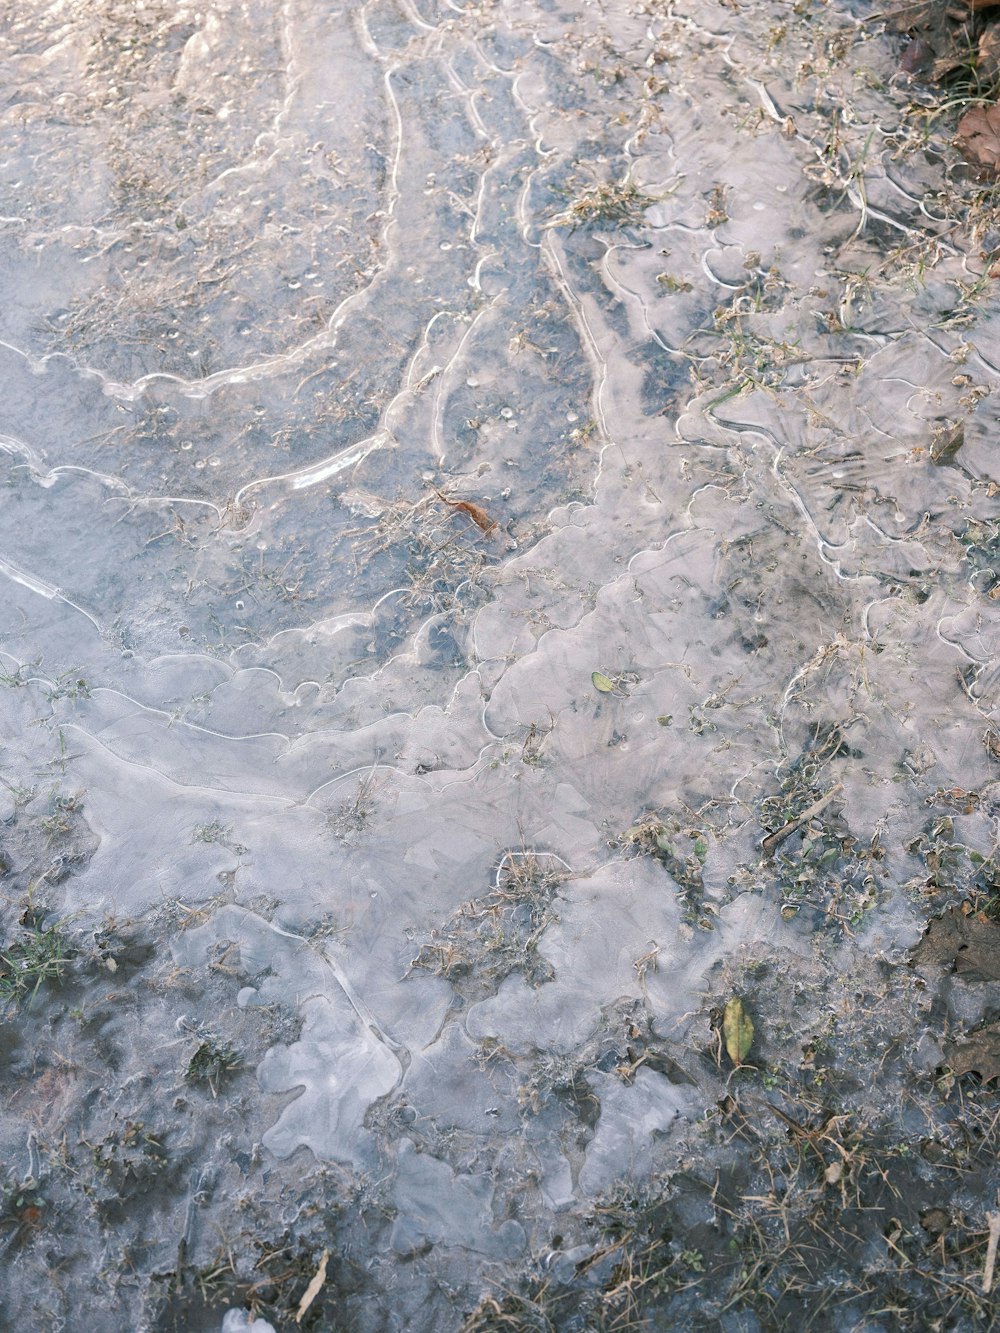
277, 274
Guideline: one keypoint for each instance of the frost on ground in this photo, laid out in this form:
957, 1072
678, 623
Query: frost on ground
498, 723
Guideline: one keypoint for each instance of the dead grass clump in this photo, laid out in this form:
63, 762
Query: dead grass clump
612, 202
490, 937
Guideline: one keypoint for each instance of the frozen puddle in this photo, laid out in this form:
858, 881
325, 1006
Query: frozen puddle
462, 807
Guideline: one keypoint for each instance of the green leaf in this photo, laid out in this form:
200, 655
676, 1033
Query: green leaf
602, 682
701, 849
737, 1031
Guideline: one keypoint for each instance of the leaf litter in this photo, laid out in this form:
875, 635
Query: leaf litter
965, 944
957, 43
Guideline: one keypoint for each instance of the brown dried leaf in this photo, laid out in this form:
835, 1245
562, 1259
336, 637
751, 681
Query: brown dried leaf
950, 56
478, 515
946, 443
935, 1221
988, 60
966, 945
917, 56
978, 1054
915, 14
978, 138
941, 942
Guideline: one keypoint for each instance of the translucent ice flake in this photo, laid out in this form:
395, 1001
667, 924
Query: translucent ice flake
342, 1071
631, 1118
238, 1321
440, 1206
343, 1062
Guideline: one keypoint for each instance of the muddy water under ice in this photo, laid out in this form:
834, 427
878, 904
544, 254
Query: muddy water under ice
270, 274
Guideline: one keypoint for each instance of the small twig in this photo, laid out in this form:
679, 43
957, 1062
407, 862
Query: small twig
991, 1252
773, 839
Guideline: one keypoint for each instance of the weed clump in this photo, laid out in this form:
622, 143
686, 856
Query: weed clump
125, 1163
213, 1061
443, 568
681, 849
35, 956
619, 203
22, 1208
490, 937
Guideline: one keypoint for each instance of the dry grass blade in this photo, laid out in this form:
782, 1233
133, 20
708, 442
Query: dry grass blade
991, 1252
313, 1289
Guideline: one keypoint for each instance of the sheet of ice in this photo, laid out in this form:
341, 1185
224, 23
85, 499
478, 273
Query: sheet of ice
436, 1204
282, 284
